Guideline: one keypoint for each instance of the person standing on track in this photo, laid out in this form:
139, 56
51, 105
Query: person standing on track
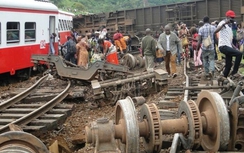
168, 43
226, 46
148, 46
52, 41
82, 53
197, 53
183, 35
176, 31
206, 34
71, 50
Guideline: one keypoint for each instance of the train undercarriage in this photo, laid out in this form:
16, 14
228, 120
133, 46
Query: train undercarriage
107, 80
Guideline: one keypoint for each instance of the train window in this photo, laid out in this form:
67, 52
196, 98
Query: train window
67, 26
71, 24
59, 25
63, 24
30, 31
13, 29
64, 28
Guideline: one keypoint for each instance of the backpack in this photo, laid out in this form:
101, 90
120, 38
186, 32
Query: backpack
71, 47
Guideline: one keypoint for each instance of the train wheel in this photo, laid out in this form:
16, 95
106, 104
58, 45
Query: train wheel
18, 141
24, 74
125, 114
194, 136
153, 143
140, 61
129, 61
215, 121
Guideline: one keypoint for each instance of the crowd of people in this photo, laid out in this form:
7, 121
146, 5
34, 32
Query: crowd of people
96, 46
205, 43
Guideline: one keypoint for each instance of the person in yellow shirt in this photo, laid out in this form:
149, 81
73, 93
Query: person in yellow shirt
119, 42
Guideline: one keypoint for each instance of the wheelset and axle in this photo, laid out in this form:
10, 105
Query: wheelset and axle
202, 123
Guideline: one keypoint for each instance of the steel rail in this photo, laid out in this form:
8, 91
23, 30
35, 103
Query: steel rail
38, 112
21, 96
176, 140
177, 137
187, 83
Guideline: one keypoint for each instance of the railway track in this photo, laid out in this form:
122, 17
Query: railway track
186, 119
34, 116
168, 108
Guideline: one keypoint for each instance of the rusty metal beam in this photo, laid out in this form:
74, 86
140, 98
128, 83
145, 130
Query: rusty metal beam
204, 87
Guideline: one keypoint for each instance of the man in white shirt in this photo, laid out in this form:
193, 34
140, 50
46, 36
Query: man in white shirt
225, 44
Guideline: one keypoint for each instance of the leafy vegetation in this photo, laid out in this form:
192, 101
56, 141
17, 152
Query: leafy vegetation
98, 6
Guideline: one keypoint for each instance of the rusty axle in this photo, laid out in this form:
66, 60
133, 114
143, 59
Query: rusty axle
205, 123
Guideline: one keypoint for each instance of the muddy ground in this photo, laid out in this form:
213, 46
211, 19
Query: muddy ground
71, 135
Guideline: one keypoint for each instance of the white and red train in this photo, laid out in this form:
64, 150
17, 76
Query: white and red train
25, 29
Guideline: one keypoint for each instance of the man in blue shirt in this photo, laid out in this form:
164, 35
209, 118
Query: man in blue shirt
208, 52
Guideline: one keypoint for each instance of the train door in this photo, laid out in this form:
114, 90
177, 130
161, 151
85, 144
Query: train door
51, 25
52, 41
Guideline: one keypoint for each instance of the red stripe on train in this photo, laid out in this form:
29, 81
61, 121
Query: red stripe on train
63, 36
17, 58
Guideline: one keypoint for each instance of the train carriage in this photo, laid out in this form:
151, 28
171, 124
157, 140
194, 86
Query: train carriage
65, 24
25, 29
135, 21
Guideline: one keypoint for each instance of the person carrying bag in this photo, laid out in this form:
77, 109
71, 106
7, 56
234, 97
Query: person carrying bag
207, 41
206, 38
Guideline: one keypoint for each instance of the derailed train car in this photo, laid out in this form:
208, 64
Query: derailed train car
135, 21
25, 29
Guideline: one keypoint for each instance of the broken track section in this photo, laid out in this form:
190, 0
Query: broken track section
109, 81
68, 70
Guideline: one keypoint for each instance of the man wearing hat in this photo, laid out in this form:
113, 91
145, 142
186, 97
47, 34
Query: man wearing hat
225, 44
148, 46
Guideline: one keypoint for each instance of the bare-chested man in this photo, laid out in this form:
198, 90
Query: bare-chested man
82, 53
